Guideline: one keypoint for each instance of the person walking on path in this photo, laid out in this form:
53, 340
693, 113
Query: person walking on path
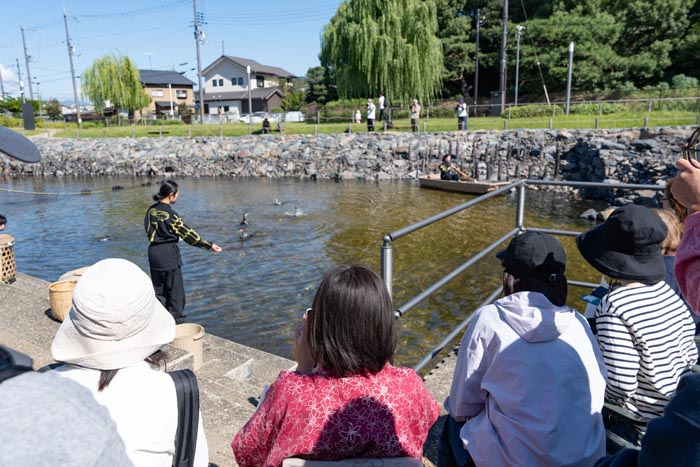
461, 115
371, 110
415, 115
165, 228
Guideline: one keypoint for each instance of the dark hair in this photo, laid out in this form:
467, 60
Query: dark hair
106, 376
352, 329
3, 220
555, 290
167, 188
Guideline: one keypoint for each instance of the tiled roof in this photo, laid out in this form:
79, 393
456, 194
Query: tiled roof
255, 67
163, 77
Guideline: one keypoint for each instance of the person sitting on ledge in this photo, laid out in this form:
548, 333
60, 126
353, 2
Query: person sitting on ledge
644, 329
529, 381
345, 399
110, 344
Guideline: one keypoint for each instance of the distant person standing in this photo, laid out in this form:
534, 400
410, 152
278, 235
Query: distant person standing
3, 222
415, 115
382, 106
358, 116
165, 228
371, 110
461, 115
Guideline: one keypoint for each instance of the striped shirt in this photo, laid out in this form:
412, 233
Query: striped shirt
645, 334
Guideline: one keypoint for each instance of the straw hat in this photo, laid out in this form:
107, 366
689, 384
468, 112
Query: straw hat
115, 320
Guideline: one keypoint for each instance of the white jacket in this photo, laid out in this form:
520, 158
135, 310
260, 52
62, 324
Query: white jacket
531, 380
142, 402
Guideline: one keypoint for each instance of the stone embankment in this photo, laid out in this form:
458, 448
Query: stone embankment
631, 155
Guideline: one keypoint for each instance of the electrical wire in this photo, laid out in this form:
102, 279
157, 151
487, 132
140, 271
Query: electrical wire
141, 12
537, 59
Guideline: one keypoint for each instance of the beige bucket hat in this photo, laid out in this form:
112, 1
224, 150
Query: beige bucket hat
115, 320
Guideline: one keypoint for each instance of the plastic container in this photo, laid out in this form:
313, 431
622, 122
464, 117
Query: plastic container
188, 337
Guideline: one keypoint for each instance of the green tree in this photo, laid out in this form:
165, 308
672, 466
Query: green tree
115, 79
53, 109
318, 86
372, 46
293, 100
455, 31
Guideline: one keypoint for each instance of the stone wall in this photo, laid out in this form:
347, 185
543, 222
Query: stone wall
635, 156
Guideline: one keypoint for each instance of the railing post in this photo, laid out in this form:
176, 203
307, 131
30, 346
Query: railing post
646, 122
597, 123
520, 210
387, 268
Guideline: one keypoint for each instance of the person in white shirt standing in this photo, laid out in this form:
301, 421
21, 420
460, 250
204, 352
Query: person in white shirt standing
382, 106
529, 381
371, 111
461, 115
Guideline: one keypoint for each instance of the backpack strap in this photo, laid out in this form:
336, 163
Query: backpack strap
187, 417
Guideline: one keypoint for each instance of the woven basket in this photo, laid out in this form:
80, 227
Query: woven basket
61, 295
8, 267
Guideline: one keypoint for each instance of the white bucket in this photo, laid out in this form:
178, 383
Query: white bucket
188, 337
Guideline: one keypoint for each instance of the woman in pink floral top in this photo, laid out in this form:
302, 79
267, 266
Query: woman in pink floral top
345, 399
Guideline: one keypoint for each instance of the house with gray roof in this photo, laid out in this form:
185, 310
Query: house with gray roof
167, 90
226, 86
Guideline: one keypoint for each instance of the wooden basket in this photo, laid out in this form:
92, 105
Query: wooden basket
61, 295
8, 266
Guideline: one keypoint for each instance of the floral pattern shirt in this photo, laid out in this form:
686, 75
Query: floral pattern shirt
323, 416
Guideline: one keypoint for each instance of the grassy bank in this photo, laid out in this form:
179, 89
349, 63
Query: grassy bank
620, 120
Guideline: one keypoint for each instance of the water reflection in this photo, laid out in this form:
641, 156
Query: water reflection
255, 290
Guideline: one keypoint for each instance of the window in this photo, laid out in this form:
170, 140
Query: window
156, 93
233, 81
240, 81
260, 81
226, 108
181, 94
221, 82
214, 83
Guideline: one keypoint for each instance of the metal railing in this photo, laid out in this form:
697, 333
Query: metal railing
386, 262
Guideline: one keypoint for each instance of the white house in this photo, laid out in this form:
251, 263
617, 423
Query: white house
226, 86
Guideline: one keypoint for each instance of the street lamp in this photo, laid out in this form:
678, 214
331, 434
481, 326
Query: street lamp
250, 102
518, 30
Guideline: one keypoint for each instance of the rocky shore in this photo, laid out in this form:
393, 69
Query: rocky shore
644, 156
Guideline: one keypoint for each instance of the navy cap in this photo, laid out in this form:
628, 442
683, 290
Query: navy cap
533, 253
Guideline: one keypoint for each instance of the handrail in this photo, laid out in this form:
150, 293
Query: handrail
387, 244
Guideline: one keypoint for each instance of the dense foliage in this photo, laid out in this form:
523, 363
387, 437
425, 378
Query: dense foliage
620, 45
389, 46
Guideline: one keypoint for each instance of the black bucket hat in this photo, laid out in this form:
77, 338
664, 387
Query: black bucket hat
627, 245
533, 253
18, 146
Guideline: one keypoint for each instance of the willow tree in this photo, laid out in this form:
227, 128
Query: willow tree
116, 80
389, 46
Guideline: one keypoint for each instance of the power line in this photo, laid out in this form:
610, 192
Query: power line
142, 11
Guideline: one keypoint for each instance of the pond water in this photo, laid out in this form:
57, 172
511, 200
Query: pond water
255, 290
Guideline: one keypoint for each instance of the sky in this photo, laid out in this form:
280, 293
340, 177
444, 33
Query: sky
155, 34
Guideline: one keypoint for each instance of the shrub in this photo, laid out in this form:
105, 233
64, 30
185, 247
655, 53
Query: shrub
627, 86
10, 122
531, 111
684, 82
596, 108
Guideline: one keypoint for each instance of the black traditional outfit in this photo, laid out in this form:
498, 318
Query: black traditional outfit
165, 228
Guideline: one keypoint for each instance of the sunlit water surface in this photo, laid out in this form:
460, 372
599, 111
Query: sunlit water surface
254, 292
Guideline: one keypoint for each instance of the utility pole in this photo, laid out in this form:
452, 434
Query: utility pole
199, 63
568, 81
72, 72
2, 86
476, 60
21, 84
518, 29
26, 62
504, 42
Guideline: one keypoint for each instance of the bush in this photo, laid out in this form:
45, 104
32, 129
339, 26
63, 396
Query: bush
596, 108
531, 111
10, 122
684, 82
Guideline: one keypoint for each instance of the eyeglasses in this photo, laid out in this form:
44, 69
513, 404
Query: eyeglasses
306, 313
691, 150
